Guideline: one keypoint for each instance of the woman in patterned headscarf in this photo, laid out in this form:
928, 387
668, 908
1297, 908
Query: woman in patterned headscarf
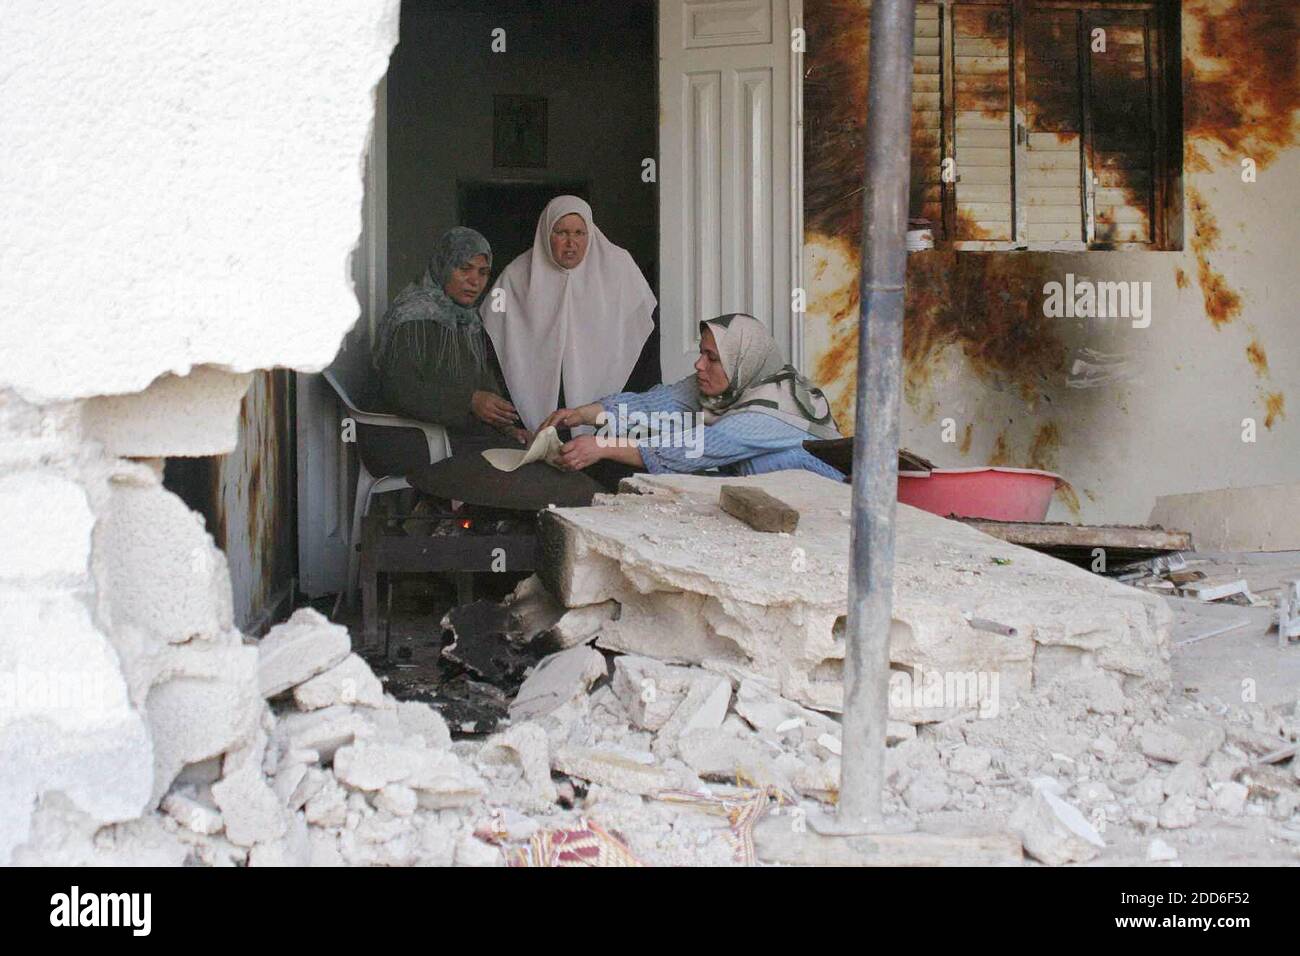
433, 357
754, 412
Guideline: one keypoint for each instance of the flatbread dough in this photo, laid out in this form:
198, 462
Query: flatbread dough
545, 447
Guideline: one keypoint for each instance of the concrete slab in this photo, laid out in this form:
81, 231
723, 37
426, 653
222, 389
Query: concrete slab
696, 586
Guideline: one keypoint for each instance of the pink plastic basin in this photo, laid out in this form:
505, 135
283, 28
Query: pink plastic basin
1001, 494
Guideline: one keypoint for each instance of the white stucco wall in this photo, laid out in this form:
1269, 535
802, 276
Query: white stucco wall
182, 193
182, 186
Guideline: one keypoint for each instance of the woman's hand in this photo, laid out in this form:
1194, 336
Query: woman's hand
583, 452
493, 409
572, 417
521, 435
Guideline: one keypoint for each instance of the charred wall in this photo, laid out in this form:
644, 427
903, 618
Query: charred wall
1124, 413
248, 501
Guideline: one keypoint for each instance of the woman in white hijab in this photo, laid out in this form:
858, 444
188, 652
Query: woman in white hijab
573, 312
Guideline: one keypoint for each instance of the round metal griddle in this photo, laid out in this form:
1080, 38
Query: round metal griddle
467, 476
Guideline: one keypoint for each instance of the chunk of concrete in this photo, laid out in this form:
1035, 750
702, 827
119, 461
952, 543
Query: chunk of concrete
717, 755
397, 799
1178, 812
525, 744
1181, 740
192, 814
1054, 831
438, 777
973, 761
927, 793
323, 731
1229, 798
650, 690
1160, 852
704, 708
443, 782
418, 718
251, 810
764, 710
299, 649
614, 769
557, 680
350, 682
580, 624
329, 806
1187, 777
204, 704
372, 766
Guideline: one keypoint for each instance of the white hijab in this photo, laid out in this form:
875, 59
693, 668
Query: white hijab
589, 323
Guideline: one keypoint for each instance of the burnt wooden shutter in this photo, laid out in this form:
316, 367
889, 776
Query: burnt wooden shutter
1050, 186
982, 121
1121, 127
926, 199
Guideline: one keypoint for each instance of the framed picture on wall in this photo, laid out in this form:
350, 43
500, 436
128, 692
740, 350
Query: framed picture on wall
519, 132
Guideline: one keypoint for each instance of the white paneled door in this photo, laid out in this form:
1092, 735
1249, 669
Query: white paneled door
727, 164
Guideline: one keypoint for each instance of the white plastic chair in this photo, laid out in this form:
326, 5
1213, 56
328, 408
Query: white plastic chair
369, 485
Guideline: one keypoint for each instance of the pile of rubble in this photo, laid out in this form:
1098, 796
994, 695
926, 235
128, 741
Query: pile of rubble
335, 772
689, 715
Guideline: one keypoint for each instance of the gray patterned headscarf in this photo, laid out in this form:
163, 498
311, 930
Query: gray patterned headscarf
761, 381
444, 323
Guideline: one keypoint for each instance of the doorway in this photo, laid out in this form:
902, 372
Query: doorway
495, 108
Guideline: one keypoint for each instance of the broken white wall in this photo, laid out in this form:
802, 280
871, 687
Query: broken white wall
183, 187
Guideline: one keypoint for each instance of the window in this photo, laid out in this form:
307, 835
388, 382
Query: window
1044, 124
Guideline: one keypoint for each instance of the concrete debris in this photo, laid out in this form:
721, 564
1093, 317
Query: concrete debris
397, 799
650, 690
704, 708
302, 759
471, 851
419, 719
191, 814
927, 793
351, 682
557, 680
1178, 812
580, 624
209, 707
1160, 852
373, 766
1181, 740
1229, 798
299, 649
973, 761
717, 755
1054, 831
526, 745
323, 731
251, 810
632, 773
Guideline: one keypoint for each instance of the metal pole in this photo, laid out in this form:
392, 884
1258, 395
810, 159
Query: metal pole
875, 449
